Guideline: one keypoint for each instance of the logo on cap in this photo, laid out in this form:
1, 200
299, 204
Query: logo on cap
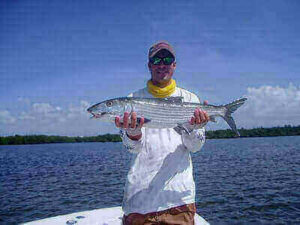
159, 46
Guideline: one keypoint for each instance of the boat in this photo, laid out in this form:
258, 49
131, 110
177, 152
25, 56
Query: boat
105, 216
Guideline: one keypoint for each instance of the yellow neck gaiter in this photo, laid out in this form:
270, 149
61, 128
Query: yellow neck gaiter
159, 92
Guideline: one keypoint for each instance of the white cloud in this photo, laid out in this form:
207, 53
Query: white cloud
42, 108
270, 106
25, 116
6, 117
46, 118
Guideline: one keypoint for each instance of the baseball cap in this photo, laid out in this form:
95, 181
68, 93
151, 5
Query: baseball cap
159, 46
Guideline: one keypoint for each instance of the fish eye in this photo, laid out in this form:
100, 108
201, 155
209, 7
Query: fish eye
109, 104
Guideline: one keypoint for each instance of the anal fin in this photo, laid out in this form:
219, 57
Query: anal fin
182, 127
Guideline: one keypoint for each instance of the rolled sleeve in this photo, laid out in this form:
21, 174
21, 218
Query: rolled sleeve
132, 146
195, 140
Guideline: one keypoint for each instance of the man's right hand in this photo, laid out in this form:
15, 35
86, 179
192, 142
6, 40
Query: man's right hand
133, 129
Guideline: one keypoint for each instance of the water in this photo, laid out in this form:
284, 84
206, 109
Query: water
239, 181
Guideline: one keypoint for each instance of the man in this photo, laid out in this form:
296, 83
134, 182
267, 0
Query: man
160, 188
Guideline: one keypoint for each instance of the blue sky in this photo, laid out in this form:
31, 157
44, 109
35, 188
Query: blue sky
57, 57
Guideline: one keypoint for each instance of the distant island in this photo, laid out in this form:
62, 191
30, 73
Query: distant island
216, 134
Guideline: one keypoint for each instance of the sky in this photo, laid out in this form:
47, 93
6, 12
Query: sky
59, 57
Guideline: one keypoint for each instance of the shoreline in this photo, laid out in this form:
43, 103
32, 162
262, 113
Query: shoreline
216, 134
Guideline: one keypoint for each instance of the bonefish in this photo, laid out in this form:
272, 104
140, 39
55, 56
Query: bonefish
170, 112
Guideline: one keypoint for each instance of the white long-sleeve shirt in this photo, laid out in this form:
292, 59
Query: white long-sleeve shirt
161, 172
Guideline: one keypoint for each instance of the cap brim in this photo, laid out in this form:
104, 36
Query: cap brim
154, 53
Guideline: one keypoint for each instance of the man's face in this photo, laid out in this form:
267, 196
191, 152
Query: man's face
161, 74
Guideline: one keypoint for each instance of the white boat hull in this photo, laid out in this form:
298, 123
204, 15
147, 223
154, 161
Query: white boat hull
106, 216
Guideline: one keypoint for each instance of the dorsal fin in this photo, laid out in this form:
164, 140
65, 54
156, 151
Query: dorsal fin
178, 99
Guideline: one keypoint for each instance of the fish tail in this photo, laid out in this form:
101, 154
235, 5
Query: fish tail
230, 108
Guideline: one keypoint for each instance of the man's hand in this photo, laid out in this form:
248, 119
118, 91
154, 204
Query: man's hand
200, 117
133, 129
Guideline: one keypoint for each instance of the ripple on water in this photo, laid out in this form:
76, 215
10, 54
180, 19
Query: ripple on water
239, 181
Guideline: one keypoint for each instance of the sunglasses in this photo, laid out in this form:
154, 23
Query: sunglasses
166, 60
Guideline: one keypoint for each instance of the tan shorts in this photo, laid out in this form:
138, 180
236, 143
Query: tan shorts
180, 215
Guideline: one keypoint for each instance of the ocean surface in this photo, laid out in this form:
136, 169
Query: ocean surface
238, 181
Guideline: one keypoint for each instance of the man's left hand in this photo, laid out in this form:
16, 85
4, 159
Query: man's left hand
200, 117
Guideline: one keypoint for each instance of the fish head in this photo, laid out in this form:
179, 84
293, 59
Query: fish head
107, 110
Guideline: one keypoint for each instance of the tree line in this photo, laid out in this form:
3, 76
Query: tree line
45, 139
255, 132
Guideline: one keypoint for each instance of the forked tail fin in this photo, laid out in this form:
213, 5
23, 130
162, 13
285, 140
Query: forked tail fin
231, 107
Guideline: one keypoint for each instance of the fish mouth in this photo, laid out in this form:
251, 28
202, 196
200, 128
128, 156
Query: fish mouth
97, 115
